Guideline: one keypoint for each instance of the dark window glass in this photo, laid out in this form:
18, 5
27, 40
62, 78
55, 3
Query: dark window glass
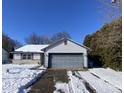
23, 56
29, 56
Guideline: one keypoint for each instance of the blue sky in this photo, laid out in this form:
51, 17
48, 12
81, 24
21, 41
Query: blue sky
45, 17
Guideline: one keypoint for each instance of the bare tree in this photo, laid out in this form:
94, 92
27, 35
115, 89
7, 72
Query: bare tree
18, 44
45, 40
118, 4
59, 36
9, 44
35, 39
110, 9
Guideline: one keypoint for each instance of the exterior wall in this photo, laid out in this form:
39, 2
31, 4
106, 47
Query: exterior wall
69, 48
18, 61
36, 56
46, 59
37, 59
17, 56
85, 60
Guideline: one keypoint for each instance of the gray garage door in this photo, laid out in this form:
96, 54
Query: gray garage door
65, 61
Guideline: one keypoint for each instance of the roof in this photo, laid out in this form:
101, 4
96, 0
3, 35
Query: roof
61, 40
41, 48
31, 48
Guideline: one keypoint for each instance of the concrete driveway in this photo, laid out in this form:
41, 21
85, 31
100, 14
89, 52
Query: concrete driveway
47, 82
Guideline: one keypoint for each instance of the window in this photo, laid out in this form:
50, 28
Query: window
23, 56
27, 56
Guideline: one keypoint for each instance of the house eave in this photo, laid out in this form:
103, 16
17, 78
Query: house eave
14, 52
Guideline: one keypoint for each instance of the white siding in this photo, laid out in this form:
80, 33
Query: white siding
46, 59
17, 56
69, 48
36, 59
36, 56
85, 60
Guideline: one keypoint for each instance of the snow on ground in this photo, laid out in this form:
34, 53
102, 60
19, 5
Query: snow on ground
98, 84
76, 84
109, 75
100, 80
61, 87
91, 81
16, 77
7, 66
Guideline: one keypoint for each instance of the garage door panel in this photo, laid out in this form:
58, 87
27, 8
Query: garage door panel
67, 61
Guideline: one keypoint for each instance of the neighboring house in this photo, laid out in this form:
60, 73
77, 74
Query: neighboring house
5, 56
63, 54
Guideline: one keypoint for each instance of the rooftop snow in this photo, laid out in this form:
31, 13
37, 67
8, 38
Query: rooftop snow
31, 48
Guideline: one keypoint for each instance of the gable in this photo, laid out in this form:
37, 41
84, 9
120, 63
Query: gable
68, 47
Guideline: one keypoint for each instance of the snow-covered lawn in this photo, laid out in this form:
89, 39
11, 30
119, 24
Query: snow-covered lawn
98, 80
27, 66
15, 78
109, 75
76, 84
98, 84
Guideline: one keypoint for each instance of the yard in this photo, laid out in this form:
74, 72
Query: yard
98, 80
16, 78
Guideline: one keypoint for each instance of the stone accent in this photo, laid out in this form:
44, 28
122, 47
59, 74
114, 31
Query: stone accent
16, 61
